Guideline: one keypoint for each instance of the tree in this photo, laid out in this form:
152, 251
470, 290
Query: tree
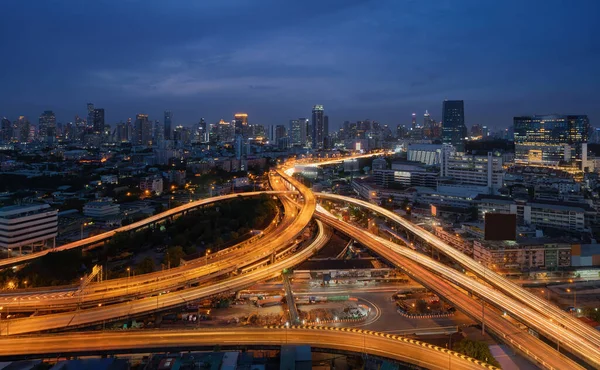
173, 256
476, 349
421, 306
145, 266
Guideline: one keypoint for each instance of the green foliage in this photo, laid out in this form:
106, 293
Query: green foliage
476, 349
173, 256
145, 266
55, 268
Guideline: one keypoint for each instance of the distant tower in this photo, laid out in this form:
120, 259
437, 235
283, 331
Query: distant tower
318, 127
46, 125
90, 116
168, 122
98, 120
453, 124
414, 121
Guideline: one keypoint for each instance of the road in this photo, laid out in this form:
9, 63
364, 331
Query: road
386, 345
118, 290
149, 304
535, 312
533, 347
7, 262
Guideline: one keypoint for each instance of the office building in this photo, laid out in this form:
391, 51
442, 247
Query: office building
298, 131
101, 209
529, 254
551, 139
6, 131
241, 123
28, 225
453, 124
280, 132
98, 121
414, 121
168, 122
478, 170
405, 174
552, 214
90, 116
21, 130
428, 154
142, 130
318, 127
46, 126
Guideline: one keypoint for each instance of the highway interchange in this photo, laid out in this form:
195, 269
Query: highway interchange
449, 283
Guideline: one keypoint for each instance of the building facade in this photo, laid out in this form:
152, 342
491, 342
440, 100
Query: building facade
318, 127
478, 170
453, 124
28, 225
550, 139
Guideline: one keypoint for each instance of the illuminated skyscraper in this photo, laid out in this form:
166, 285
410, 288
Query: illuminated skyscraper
414, 121
453, 124
241, 123
90, 116
98, 120
46, 125
142, 131
318, 127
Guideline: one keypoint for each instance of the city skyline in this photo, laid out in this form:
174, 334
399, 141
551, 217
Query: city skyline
269, 71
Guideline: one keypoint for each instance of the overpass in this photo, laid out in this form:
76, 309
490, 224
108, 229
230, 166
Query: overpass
343, 339
223, 262
13, 261
435, 278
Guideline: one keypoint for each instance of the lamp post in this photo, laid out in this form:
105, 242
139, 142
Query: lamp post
128, 276
83, 224
206, 257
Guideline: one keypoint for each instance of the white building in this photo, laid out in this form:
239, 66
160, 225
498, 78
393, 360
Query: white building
152, 184
523, 255
479, 170
559, 215
101, 209
428, 154
28, 225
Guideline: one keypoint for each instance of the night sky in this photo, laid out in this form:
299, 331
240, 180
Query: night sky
274, 59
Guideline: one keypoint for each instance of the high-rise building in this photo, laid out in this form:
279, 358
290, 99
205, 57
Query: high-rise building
28, 225
90, 116
550, 139
168, 121
280, 132
142, 131
318, 127
414, 121
6, 131
453, 124
297, 131
21, 130
98, 122
46, 125
241, 123
478, 170
158, 132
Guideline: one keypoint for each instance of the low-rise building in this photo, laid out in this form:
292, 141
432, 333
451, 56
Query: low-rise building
28, 225
101, 209
152, 184
534, 254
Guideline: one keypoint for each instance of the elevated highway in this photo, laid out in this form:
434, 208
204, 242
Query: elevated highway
435, 278
13, 261
118, 290
538, 314
86, 317
352, 340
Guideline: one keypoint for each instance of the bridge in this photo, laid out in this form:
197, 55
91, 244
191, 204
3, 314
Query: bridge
448, 283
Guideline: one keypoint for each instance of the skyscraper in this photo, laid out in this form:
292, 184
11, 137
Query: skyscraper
414, 121
168, 121
6, 131
90, 116
142, 131
46, 125
241, 123
318, 127
453, 124
550, 139
98, 120
297, 131
21, 129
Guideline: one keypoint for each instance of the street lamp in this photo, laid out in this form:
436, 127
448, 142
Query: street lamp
128, 276
82, 226
206, 257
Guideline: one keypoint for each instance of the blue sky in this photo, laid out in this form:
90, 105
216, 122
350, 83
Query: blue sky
274, 59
